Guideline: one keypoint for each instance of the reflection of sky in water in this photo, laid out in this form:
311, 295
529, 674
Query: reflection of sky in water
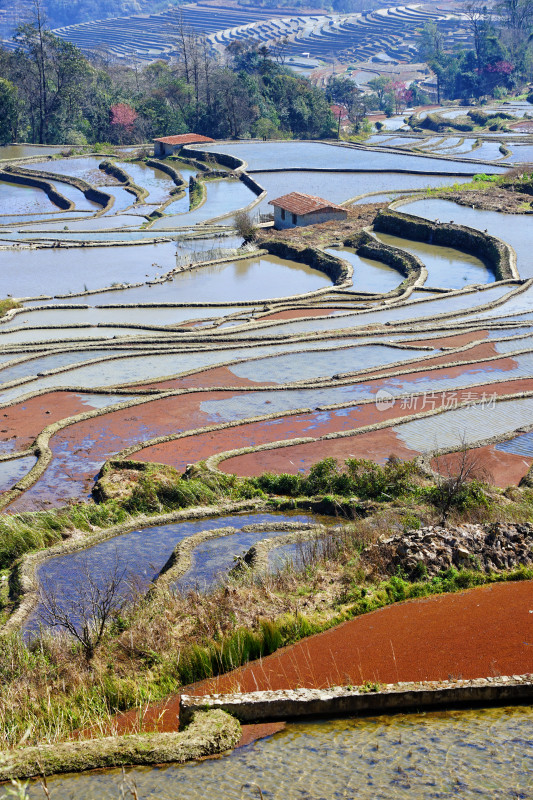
143, 553
515, 229
158, 183
290, 368
37, 365
266, 402
108, 222
470, 424
140, 368
277, 155
16, 198
340, 186
520, 445
468, 754
515, 344
423, 311
64, 334
368, 275
488, 151
13, 471
214, 558
447, 267
57, 271
223, 197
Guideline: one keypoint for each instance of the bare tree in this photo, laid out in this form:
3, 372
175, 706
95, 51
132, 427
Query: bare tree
244, 226
279, 49
87, 611
453, 472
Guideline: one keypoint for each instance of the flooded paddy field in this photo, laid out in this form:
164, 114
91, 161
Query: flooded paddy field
17, 199
512, 228
448, 268
376, 757
143, 554
304, 155
342, 186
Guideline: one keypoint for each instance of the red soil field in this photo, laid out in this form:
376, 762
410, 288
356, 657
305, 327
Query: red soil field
376, 445
456, 339
217, 376
501, 468
482, 632
296, 313
20, 423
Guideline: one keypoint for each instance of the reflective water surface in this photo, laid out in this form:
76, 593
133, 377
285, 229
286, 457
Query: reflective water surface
143, 553
484, 754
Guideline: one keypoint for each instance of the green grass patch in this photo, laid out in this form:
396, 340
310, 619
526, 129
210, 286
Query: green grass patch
7, 304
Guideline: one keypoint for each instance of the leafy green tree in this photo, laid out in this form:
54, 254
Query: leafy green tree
8, 111
341, 89
51, 74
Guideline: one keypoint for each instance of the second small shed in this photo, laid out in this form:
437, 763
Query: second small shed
297, 209
168, 145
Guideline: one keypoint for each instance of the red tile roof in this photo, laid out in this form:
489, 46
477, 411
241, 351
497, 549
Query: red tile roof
184, 138
299, 203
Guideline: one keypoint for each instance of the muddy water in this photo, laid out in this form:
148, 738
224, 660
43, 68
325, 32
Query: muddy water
26, 150
368, 275
143, 553
447, 267
515, 229
484, 754
246, 279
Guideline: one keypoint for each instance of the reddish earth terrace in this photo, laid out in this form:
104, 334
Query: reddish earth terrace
482, 632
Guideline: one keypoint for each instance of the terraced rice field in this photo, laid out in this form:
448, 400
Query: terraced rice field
353, 37
169, 342
229, 344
